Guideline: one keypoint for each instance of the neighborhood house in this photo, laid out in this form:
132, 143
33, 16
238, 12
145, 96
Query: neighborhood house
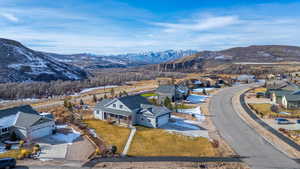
284, 93
132, 110
25, 122
173, 92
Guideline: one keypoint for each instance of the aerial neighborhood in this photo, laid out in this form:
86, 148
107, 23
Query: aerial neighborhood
149, 84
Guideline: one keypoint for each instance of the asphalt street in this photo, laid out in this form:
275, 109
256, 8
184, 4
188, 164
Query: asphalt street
258, 153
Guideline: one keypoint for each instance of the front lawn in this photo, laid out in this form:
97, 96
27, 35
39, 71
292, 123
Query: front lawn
185, 106
149, 94
265, 110
111, 134
260, 89
10, 154
157, 142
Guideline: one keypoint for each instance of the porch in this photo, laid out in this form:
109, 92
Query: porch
117, 118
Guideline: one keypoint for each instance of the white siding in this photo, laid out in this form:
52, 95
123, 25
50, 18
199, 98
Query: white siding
147, 121
117, 105
98, 114
162, 120
41, 130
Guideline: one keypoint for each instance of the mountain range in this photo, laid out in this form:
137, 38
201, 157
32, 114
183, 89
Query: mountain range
91, 61
235, 60
19, 63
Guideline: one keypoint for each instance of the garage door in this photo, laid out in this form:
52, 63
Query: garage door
41, 132
163, 120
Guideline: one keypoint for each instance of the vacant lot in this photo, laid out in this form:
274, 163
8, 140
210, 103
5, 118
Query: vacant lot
157, 142
111, 134
265, 110
260, 89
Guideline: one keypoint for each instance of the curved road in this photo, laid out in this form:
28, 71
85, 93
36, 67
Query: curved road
258, 153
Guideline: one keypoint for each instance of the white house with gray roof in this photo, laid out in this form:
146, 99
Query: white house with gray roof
132, 110
25, 122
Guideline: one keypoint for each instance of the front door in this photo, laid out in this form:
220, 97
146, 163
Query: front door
105, 116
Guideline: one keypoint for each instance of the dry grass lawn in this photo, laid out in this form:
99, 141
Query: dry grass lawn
111, 134
265, 109
260, 89
157, 142
10, 154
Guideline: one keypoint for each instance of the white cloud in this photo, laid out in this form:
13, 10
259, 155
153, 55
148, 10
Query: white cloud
9, 17
200, 24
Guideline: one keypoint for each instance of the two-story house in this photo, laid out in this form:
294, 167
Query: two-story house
132, 110
173, 92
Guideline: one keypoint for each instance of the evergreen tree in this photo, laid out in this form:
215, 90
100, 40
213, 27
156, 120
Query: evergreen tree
95, 98
112, 92
204, 92
66, 103
168, 103
81, 102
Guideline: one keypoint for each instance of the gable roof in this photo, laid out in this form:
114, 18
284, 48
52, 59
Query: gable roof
171, 89
103, 102
133, 102
166, 89
26, 120
21, 116
292, 97
15, 110
155, 110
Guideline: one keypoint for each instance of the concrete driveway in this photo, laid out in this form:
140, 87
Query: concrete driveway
185, 127
56, 146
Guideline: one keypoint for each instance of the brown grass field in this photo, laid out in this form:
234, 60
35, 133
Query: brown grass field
111, 134
157, 142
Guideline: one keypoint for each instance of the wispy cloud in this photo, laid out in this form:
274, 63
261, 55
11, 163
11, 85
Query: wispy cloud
80, 26
200, 24
9, 17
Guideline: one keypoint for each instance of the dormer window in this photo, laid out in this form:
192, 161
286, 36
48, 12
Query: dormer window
114, 105
121, 106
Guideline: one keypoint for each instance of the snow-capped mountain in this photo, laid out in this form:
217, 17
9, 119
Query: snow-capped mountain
19, 63
123, 60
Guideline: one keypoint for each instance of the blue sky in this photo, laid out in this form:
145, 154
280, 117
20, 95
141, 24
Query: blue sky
126, 26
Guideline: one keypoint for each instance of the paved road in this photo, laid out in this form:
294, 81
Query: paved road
243, 139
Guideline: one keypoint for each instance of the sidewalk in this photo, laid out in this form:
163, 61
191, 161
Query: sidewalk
130, 138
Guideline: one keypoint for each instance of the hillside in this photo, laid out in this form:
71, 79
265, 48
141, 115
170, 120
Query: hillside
19, 63
235, 60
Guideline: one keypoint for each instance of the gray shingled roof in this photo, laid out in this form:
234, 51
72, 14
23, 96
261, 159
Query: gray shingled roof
103, 102
292, 97
134, 102
281, 92
26, 120
155, 110
15, 110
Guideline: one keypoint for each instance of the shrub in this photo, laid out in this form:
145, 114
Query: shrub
24, 153
7, 146
21, 143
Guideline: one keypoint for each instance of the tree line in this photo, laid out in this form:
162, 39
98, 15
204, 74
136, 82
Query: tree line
62, 88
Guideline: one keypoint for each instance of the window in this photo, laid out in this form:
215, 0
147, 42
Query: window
97, 112
121, 106
114, 105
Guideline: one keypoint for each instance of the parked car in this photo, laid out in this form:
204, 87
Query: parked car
7, 163
282, 121
260, 95
285, 113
